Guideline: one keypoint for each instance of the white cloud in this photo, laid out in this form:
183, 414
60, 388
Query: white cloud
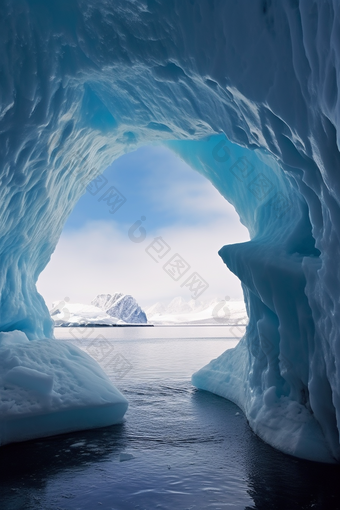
178, 186
100, 258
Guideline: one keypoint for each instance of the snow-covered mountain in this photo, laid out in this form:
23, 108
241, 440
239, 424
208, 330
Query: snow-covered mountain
79, 314
121, 305
216, 311
105, 310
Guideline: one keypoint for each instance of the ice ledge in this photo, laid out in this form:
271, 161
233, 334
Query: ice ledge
281, 422
49, 387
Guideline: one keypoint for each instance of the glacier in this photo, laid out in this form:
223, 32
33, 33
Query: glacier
79, 315
247, 94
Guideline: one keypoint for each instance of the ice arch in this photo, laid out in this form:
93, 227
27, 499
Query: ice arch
83, 81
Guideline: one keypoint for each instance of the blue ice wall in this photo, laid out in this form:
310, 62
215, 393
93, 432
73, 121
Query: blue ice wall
223, 83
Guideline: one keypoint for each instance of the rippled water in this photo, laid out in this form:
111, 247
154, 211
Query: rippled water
191, 449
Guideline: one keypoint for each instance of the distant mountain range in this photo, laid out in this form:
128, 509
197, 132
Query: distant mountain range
123, 309
105, 310
216, 311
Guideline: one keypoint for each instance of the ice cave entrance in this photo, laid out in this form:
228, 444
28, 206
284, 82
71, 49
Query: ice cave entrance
277, 219
123, 73
159, 197
149, 206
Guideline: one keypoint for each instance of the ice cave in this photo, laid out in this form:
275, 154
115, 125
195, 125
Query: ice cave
247, 94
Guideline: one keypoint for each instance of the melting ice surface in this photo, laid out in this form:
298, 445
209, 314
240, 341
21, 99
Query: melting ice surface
247, 94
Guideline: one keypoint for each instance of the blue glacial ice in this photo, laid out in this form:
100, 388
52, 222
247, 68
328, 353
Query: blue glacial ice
247, 94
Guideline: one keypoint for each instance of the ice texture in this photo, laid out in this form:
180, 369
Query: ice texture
120, 305
246, 93
51, 387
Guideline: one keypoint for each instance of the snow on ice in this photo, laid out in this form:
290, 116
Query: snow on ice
51, 387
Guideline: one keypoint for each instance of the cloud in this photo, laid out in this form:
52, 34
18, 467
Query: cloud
101, 258
159, 185
95, 254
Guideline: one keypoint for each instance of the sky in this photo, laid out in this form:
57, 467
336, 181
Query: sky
151, 227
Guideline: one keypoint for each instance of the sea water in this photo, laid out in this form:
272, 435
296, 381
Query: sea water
178, 448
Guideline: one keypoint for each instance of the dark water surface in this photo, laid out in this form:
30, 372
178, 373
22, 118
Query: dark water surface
191, 449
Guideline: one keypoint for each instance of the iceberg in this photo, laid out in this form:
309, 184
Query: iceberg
51, 387
247, 94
